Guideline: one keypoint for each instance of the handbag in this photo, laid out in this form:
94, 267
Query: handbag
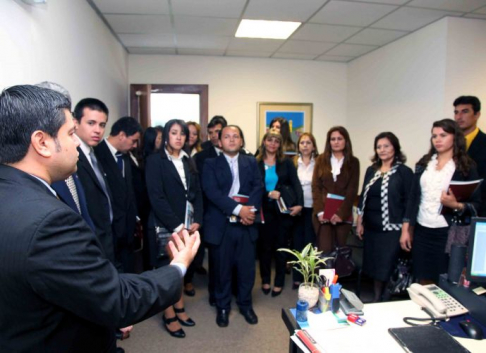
162, 238
458, 232
287, 193
341, 261
401, 277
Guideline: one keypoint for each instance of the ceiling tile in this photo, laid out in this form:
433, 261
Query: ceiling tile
372, 36
210, 52
390, 2
209, 8
294, 56
449, 5
251, 44
325, 33
335, 58
205, 25
283, 10
254, 54
305, 47
147, 40
202, 42
351, 50
351, 13
476, 15
137, 50
139, 23
410, 19
149, 7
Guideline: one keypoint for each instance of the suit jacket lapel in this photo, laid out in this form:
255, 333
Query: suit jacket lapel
172, 169
225, 171
84, 163
242, 170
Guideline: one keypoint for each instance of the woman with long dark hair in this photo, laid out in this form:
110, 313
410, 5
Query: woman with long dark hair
281, 182
425, 227
304, 233
151, 141
281, 125
336, 172
381, 209
173, 188
194, 138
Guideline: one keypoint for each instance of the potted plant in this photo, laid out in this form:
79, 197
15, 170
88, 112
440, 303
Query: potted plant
307, 263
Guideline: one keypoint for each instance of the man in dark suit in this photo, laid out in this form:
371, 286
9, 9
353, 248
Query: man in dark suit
59, 293
232, 244
90, 118
213, 131
112, 156
467, 110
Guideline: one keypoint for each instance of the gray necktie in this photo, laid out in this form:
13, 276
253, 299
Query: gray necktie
97, 171
74, 192
234, 173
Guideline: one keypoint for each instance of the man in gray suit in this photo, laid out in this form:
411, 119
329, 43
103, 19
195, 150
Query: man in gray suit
59, 293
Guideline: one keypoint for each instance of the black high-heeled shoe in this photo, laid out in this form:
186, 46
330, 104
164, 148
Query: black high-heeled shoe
266, 291
189, 322
177, 334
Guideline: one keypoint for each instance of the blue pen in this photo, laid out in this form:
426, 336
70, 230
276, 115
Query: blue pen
335, 294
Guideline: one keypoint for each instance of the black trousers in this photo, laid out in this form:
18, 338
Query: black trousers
236, 251
303, 233
274, 234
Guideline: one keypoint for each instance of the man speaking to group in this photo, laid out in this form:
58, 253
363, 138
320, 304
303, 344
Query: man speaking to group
58, 292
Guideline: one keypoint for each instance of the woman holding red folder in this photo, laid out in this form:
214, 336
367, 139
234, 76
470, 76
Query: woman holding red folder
424, 226
336, 172
381, 209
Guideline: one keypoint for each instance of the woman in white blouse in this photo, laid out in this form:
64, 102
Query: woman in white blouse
425, 226
303, 230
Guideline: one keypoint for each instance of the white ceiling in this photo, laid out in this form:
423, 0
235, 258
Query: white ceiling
335, 30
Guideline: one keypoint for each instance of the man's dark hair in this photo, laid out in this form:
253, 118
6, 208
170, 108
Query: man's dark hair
23, 110
474, 101
236, 127
91, 103
130, 126
217, 119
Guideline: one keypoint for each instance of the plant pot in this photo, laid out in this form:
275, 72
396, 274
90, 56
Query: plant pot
309, 292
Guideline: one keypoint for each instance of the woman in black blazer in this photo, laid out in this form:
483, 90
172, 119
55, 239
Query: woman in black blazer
172, 185
281, 181
381, 209
424, 226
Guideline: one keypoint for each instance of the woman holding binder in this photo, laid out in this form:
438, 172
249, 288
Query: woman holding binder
425, 229
336, 177
381, 209
282, 201
176, 200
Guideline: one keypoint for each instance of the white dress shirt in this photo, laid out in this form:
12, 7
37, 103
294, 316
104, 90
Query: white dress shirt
305, 176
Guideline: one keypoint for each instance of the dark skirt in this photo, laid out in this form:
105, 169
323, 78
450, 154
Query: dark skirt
428, 252
381, 251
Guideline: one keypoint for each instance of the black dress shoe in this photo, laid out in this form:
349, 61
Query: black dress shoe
275, 293
189, 292
266, 291
222, 318
179, 333
250, 316
189, 322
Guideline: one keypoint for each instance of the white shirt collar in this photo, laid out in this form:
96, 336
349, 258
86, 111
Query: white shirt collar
46, 184
84, 147
112, 149
182, 154
231, 159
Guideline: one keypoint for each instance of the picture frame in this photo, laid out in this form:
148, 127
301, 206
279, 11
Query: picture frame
299, 116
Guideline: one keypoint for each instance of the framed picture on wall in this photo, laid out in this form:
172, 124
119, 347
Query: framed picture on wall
299, 116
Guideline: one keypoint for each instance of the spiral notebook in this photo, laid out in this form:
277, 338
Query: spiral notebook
426, 339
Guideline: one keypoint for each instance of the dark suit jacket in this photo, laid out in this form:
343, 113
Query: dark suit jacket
65, 195
201, 157
477, 151
58, 292
287, 177
124, 204
98, 204
206, 145
416, 191
216, 183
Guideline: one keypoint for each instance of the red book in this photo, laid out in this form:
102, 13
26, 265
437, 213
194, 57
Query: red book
309, 342
333, 202
243, 199
462, 190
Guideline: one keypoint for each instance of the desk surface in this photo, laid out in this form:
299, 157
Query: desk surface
374, 336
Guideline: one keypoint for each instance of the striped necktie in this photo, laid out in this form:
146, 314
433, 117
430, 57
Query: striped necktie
74, 192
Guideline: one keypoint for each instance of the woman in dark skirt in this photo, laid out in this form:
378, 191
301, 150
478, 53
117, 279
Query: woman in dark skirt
424, 226
381, 208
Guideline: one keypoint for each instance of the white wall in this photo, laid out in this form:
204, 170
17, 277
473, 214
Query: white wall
466, 63
237, 84
64, 42
398, 88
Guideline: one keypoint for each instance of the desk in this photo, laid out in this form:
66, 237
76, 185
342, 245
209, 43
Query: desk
374, 336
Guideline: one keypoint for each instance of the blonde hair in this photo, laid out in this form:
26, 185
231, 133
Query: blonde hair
262, 151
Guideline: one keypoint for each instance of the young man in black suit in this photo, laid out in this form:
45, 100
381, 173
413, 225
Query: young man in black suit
112, 156
467, 110
59, 293
232, 244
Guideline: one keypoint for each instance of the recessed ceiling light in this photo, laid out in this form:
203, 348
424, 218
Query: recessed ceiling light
266, 29
35, 2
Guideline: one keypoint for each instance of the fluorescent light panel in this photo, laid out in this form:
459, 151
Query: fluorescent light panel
266, 29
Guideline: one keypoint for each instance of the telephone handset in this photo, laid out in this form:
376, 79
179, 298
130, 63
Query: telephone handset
440, 304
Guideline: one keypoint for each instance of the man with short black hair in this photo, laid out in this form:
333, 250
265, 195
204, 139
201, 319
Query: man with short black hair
112, 155
59, 293
467, 110
216, 124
